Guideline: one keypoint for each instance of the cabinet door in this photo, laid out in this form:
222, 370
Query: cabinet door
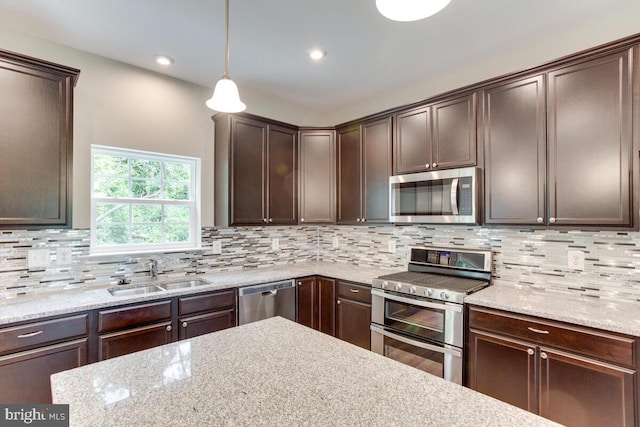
515, 152
317, 176
307, 301
353, 322
194, 326
326, 311
131, 340
589, 136
248, 177
576, 391
282, 190
25, 376
349, 159
36, 142
503, 368
412, 145
376, 170
454, 132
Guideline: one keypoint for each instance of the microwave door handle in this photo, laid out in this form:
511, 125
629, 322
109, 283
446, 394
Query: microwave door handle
415, 343
419, 303
454, 196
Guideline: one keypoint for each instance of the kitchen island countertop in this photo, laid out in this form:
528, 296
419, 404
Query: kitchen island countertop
272, 372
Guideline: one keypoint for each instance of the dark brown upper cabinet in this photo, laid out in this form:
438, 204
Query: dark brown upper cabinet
256, 171
558, 146
436, 136
317, 176
364, 168
36, 142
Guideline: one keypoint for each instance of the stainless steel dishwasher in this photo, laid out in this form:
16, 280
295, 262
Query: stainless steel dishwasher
267, 300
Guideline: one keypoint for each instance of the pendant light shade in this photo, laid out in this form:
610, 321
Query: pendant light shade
226, 98
410, 10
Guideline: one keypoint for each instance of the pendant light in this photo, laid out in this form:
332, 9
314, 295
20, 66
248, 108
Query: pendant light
226, 98
410, 10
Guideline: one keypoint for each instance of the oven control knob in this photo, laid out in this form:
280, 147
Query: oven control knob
397, 286
384, 285
412, 289
444, 295
428, 293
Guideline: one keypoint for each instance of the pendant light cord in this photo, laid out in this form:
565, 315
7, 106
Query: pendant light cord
226, 40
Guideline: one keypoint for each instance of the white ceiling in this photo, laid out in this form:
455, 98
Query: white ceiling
372, 63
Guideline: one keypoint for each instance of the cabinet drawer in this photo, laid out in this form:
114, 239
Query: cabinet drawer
119, 318
589, 342
355, 292
208, 302
25, 336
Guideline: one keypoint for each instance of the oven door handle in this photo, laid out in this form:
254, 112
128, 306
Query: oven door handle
425, 346
454, 196
419, 303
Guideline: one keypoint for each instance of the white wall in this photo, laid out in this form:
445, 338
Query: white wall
124, 106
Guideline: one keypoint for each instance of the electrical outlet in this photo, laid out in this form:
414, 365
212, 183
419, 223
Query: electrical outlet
391, 247
63, 256
37, 258
216, 247
336, 242
575, 260
275, 244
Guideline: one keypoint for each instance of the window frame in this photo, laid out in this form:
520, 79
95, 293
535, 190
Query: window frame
195, 231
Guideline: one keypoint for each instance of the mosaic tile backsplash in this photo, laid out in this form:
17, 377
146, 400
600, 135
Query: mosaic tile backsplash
526, 258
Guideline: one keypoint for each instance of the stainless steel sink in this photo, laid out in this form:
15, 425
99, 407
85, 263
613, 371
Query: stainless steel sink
138, 290
182, 284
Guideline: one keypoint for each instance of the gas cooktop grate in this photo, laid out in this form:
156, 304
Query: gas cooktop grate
436, 281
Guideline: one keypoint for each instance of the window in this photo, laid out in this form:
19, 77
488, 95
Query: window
143, 201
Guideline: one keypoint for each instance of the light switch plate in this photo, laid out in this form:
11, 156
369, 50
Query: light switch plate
336, 242
216, 247
275, 244
63, 256
37, 258
391, 247
575, 260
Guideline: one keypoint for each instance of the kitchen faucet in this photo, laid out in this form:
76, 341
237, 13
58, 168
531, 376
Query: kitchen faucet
153, 269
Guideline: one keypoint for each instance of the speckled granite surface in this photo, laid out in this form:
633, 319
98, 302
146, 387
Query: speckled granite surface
594, 312
44, 305
271, 373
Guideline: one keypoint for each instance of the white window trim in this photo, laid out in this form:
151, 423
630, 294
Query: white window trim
195, 220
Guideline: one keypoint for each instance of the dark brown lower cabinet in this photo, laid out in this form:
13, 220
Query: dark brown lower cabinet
316, 303
354, 314
25, 376
206, 313
206, 323
130, 340
572, 375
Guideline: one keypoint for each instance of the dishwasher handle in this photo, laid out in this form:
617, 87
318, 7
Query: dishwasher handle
266, 288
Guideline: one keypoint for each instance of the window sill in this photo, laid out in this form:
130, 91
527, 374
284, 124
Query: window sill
141, 252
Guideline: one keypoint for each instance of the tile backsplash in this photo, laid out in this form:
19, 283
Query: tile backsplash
522, 257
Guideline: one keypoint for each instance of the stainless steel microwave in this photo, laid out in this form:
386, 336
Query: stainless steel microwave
446, 196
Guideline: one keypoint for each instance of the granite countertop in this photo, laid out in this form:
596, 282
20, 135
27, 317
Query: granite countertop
272, 372
615, 316
32, 307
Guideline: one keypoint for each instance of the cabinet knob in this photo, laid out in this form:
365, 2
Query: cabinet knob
299, 283
184, 324
357, 219
435, 165
427, 166
552, 220
543, 355
338, 302
363, 219
540, 220
530, 351
301, 219
264, 220
169, 328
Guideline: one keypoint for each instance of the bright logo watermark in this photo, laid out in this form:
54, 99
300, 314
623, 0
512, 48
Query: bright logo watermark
34, 415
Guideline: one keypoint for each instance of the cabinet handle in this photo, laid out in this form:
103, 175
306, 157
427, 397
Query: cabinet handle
543, 355
552, 220
530, 351
355, 291
427, 166
338, 302
184, 324
435, 165
169, 328
537, 331
540, 220
30, 334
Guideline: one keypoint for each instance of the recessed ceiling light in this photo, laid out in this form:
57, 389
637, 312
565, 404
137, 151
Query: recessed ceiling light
317, 54
163, 59
410, 10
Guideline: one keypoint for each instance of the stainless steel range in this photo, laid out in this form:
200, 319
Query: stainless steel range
418, 315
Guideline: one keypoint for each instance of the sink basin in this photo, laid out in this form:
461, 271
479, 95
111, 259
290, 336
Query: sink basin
182, 284
139, 290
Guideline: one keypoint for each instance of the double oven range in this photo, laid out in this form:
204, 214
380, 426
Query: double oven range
417, 315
